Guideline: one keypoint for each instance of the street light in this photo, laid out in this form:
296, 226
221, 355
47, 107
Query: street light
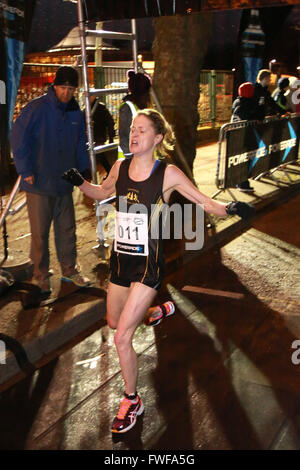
273, 61
140, 61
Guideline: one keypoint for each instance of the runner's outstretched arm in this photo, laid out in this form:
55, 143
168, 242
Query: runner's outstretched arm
175, 179
94, 191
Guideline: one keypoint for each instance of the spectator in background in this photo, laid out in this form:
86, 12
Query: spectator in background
104, 126
46, 139
139, 85
290, 95
244, 108
279, 94
266, 106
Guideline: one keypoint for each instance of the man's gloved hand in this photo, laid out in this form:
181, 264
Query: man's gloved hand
73, 176
242, 209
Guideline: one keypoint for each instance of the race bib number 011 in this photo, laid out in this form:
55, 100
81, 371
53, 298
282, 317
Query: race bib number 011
131, 234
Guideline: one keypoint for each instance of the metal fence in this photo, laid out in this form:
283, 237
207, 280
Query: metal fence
111, 77
242, 156
37, 77
215, 98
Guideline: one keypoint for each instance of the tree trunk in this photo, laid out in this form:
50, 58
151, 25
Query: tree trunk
178, 49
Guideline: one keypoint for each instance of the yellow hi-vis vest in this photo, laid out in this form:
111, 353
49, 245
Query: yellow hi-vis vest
134, 109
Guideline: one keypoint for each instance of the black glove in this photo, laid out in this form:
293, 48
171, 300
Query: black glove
87, 175
242, 209
73, 176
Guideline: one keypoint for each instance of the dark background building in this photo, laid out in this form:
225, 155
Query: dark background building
53, 20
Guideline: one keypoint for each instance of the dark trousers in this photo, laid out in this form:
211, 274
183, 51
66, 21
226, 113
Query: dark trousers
42, 210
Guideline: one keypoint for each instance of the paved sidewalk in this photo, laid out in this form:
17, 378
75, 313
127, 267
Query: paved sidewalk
34, 335
216, 375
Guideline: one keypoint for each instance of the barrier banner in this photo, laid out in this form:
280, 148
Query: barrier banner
15, 20
252, 47
255, 149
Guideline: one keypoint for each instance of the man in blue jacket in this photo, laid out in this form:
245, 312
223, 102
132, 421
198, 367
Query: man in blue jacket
47, 139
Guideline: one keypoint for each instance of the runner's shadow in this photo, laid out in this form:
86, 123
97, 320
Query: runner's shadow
188, 395
130, 440
204, 364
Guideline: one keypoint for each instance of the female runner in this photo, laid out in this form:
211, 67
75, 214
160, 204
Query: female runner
145, 184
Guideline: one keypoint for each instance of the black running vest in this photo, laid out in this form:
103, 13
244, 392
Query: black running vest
139, 254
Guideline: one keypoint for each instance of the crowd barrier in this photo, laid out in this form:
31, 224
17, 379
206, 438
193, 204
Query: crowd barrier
250, 149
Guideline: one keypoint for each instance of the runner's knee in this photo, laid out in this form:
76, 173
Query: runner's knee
122, 339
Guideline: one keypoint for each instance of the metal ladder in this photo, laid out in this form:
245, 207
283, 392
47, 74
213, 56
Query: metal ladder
94, 150
84, 31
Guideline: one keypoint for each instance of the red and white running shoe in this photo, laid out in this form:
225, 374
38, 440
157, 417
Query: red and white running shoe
127, 414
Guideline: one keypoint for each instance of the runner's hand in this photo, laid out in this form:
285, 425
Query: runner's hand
87, 175
242, 209
73, 176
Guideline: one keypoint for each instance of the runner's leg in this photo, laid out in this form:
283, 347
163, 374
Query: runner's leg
139, 300
116, 300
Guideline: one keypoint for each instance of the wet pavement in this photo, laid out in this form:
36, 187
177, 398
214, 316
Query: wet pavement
216, 375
